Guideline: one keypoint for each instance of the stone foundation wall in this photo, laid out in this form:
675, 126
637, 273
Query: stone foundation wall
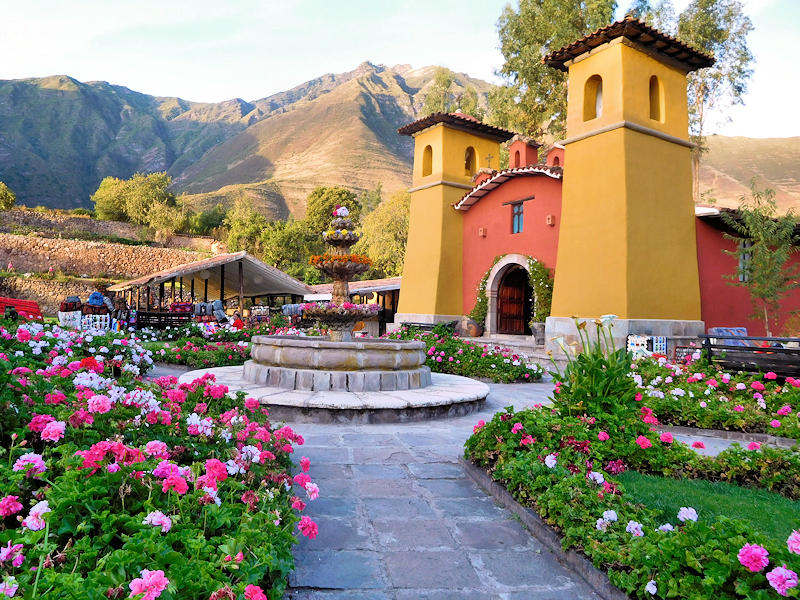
94, 259
49, 294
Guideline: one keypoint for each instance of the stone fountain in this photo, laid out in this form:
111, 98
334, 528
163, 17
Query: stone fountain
338, 379
338, 362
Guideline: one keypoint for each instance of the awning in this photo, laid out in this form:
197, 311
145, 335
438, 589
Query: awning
258, 278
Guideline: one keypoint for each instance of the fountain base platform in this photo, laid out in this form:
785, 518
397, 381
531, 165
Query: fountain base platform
446, 396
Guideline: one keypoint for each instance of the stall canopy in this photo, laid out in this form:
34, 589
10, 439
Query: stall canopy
324, 291
222, 276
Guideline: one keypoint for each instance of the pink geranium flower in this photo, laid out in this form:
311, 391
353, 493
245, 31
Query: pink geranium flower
253, 592
31, 463
785, 410
34, 520
698, 444
312, 490
775, 423
643, 442
758, 386
151, 584
666, 437
216, 469
305, 464
516, 428
10, 505
99, 404
158, 519
738, 408
308, 527
793, 543
770, 375
753, 446
156, 448
782, 579
175, 482
603, 436
754, 557
479, 426
53, 431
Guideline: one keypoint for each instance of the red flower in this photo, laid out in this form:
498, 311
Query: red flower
175, 482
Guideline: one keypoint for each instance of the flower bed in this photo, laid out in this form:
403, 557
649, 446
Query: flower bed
117, 488
564, 462
450, 354
697, 394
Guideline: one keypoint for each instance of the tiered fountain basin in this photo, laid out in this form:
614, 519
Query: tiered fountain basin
319, 364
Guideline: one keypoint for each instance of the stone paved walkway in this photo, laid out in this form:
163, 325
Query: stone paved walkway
399, 520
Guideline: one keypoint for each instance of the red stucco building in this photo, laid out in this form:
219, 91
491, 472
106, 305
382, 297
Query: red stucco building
513, 215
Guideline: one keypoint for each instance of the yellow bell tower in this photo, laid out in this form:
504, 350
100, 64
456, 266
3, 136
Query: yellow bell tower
627, 237
449, 148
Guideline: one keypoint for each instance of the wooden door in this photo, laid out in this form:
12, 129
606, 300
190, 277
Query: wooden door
511, 302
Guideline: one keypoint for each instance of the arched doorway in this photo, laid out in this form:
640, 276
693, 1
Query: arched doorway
514, 302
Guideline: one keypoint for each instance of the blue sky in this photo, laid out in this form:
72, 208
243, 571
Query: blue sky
210, 51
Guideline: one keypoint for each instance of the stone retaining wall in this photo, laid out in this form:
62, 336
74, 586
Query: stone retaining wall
49, 294
94, 259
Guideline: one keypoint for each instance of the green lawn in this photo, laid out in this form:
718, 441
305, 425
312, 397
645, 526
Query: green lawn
771, 513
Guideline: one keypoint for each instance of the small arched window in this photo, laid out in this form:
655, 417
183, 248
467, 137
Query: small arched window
556, 162
516, 158
427, 161
469, 161
593, 98
656, 99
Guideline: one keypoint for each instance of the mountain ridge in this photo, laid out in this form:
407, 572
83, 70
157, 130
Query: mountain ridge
59, 137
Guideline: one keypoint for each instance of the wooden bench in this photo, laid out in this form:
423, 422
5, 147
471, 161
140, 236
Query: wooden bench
26, 309
753, 353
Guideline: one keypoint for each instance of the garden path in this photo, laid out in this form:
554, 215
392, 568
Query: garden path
400, 520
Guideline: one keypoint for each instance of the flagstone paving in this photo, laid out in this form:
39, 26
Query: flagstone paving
399, 519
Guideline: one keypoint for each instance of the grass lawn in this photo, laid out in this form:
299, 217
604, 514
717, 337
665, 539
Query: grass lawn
771, 513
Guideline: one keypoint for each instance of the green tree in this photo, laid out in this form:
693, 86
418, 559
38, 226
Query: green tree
384, 237
660, 14
323, 200
165, 219
7, 197
534, 99
439, 97
143, 192
370, 199
765, 242
245, 226
718, 27
205, 222
467, 103
109, 200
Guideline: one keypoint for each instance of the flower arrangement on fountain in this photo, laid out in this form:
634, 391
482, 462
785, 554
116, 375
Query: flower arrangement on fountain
341, 231
340, 265
347, 312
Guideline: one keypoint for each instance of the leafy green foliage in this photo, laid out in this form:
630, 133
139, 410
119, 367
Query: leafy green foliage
207, 221
244, 228
144, 199
765, 244
385, 232
446, 96
534, 98
323, 200
7, 197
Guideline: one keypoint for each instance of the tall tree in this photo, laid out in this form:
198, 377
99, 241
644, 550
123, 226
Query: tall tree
321, 202
7, 197
245, 226
765, 242
439, 97
719, 27
658, 13
385, 233
534, 99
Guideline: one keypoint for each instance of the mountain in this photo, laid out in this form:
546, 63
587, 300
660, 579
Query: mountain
59, 137
731, 162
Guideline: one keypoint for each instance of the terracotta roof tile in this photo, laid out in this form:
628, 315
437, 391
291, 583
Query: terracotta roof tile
459, 121
500, 177
636, 31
